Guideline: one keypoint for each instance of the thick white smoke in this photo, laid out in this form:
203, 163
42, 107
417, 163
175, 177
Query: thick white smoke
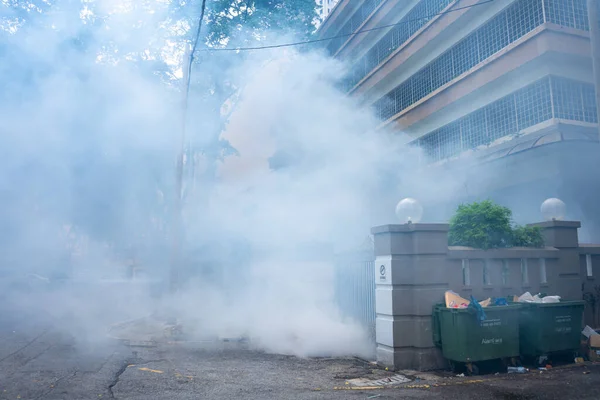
325, 191
90, 138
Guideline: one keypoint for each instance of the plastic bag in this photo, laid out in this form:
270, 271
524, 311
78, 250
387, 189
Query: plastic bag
477, 308
526, 298
551, 299
500, 301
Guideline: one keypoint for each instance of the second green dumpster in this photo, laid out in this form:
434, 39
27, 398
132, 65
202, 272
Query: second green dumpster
548, 328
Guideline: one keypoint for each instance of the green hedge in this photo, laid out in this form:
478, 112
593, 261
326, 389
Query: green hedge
486, 225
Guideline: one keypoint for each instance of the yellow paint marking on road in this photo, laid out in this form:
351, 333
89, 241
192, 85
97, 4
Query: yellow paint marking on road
156, 371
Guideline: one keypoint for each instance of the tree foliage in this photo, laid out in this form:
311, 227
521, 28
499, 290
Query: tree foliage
234, 23
148, 36
482, 225
527, 236
244, 21
486, 225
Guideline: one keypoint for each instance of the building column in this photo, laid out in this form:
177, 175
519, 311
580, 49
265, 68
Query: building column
594, 21
410, 278
563, 235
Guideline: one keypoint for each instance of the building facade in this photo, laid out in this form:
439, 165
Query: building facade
326, 7
498, 81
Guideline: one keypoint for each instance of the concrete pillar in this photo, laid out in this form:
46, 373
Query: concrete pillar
594, 20
411, 277
563, 235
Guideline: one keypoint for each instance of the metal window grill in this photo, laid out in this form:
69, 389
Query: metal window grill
509, 25
569, 13
522, 109
357, 19
414, 20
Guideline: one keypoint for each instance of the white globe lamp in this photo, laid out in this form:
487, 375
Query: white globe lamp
409, 211
553, 209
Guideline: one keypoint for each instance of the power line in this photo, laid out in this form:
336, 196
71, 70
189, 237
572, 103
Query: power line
194, 46
275, 46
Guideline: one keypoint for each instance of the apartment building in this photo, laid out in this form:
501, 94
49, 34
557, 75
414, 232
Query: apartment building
326, 7
506, 84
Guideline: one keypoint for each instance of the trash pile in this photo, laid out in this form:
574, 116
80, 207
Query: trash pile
538, 298
453, 300
592, 342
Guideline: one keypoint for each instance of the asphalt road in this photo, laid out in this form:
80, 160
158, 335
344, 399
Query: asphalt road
37, 361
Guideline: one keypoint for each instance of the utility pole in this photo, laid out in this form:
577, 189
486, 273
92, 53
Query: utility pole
177, 222
594, 20
177, 225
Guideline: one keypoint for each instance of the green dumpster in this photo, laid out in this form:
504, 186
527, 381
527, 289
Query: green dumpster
465, 339
550, 328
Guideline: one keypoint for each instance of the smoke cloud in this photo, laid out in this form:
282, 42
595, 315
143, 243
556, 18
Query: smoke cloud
89, 140
303, 186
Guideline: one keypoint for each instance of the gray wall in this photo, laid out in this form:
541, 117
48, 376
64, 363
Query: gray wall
414, 267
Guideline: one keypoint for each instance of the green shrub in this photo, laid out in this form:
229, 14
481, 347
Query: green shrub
482, 225
527, 236
486, 225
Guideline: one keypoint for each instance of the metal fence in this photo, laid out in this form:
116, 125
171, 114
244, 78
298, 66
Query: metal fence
355, 287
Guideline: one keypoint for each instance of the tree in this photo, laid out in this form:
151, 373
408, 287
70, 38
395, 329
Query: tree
234, 23
481, 225
85, 37
239, 22
527, 236
487, 225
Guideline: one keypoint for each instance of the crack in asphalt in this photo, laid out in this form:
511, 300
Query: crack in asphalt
22, 362
123, 368
35, 357
116, 378
26, 345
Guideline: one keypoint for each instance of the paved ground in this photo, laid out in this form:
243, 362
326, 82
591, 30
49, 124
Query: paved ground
37, 362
